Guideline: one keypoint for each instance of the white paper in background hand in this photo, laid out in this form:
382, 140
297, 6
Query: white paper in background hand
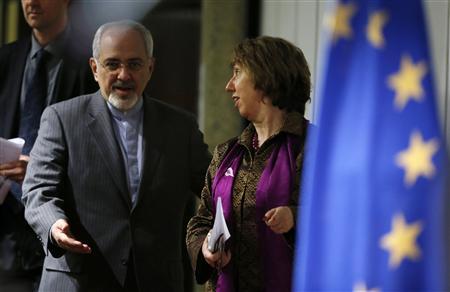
219, 233
9, 151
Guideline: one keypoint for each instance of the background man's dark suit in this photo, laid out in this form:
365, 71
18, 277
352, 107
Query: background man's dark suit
20, 251
76, 173
75, 78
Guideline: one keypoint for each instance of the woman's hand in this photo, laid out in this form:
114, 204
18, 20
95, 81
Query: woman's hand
217, 260
279, 219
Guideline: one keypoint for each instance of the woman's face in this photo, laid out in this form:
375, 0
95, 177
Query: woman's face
247, 99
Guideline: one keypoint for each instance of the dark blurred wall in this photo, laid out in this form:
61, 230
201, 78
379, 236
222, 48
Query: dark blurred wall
175, 26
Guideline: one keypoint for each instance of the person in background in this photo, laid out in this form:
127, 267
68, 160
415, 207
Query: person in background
40, 69
110, 175
257, 174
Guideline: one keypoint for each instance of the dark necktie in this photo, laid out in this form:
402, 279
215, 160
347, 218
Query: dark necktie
35, 102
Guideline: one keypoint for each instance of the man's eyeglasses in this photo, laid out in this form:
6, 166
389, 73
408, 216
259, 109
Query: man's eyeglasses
113, 66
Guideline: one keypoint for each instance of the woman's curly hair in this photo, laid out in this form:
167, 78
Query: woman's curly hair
278, 68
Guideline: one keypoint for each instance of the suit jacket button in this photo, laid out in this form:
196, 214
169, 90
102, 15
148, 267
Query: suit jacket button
124, 262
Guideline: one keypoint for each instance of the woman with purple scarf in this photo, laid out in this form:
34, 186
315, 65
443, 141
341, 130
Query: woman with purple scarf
257, 174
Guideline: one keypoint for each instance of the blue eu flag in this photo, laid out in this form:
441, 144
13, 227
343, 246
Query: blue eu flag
372, 216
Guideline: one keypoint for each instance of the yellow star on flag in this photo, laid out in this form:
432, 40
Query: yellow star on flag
401, 242
416, 160
361, 287
374, 29
407, 83
339, 21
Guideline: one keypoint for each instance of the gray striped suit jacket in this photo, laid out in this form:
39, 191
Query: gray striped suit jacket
76, 172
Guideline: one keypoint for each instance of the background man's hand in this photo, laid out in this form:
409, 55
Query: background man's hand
15, 170
62, 236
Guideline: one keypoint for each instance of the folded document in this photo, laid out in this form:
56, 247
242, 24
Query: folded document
219, 234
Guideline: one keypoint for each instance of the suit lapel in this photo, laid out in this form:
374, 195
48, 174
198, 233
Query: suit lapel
102, 131
153, 142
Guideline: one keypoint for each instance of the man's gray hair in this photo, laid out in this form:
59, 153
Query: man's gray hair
145, 33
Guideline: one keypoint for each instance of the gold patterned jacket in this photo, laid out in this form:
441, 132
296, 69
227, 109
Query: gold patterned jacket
245, 253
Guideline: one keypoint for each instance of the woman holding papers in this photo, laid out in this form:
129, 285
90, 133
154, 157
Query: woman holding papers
256, 175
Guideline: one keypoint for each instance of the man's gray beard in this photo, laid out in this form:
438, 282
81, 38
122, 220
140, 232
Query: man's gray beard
123, 104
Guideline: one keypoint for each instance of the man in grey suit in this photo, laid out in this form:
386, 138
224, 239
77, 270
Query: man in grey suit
110, 174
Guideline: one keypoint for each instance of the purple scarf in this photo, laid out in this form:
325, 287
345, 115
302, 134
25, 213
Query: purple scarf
274, 189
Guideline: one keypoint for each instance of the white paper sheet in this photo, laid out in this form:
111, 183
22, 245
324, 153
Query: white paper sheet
219, 234
10, 149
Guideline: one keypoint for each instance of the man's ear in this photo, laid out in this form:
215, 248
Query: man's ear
151, 65
94, 68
